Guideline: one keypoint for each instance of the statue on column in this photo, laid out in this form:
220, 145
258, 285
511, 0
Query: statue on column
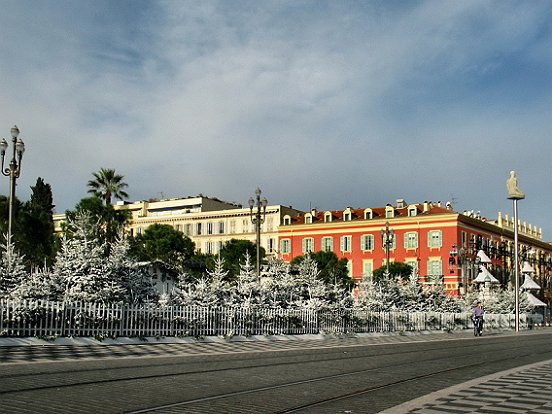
514, 193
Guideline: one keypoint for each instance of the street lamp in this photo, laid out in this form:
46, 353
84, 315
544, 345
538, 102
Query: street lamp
387, 238
257, 218
13, 170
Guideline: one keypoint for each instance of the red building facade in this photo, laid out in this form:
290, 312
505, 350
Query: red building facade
438, 242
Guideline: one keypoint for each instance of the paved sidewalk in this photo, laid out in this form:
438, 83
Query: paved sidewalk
526, 389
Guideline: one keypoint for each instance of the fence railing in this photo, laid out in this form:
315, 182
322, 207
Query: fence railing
53, 319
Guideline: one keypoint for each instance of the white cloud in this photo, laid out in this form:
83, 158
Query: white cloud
319, 103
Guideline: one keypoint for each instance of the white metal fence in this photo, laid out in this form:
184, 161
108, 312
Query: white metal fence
51, 319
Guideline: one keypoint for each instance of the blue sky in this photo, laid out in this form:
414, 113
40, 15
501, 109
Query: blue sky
323, 104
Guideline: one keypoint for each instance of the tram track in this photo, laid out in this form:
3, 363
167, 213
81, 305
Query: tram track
341, 373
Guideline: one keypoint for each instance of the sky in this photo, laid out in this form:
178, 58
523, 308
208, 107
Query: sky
321, 104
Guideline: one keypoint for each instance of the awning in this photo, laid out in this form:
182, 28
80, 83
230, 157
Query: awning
483, 275
529, 284
535, 301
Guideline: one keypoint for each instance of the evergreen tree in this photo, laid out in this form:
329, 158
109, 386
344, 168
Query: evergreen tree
106, 225
84, 268
218, 283
12, 269
248, 286
134, 278
331, 269
235, 250
281, 285
37, 238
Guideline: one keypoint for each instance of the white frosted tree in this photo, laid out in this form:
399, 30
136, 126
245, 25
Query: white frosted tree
82, 265
311, 289
248, 285
133, 277
281, 285
369, 295
12, 269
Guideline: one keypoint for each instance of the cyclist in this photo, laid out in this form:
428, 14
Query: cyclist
477, 317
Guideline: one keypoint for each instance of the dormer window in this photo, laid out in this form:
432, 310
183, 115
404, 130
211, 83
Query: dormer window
347, 214
308, 218
327, 217
389, 212
368, 214
412, 211
287, 220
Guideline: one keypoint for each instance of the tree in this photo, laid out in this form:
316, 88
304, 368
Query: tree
37, 240
12, 271
162, 242
107, 184
332, 270
84, 267
399, 269
106, 225
234, 251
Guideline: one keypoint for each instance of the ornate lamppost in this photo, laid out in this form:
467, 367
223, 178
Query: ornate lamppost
13, 170
387, 238
257, 218
515, 194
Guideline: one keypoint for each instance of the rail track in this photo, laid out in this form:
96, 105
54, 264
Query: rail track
268, 380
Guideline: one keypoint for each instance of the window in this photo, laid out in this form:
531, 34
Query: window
232, 227
287, 220
389, 212
188, 229
327, 217
308, 245
412, 211
271, 245
411, 240
368, 214
347, 214
367, 269
209, 228
209, 247
221, 227
327, 244
245, 226
198, 229
367, 242
308, 219
285, 246
434, 269
434, 238
345, 243
413, 263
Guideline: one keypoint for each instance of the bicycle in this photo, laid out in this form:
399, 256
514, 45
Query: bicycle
477, 326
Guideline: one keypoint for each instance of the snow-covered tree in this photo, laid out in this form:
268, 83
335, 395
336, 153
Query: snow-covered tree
248, 285
133, 277
12, 269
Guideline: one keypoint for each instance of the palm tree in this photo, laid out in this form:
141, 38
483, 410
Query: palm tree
107, 184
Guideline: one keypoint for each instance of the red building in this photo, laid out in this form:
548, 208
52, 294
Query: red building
438, 242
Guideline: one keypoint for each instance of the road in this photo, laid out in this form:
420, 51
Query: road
349, 375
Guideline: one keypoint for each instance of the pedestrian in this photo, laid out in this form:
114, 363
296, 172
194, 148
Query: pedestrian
477, 317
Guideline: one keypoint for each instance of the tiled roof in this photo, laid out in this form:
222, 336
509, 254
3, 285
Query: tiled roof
377, 212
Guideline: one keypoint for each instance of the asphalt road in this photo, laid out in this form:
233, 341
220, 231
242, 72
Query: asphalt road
311, 377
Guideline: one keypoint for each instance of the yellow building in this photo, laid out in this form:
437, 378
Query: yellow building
209, 222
